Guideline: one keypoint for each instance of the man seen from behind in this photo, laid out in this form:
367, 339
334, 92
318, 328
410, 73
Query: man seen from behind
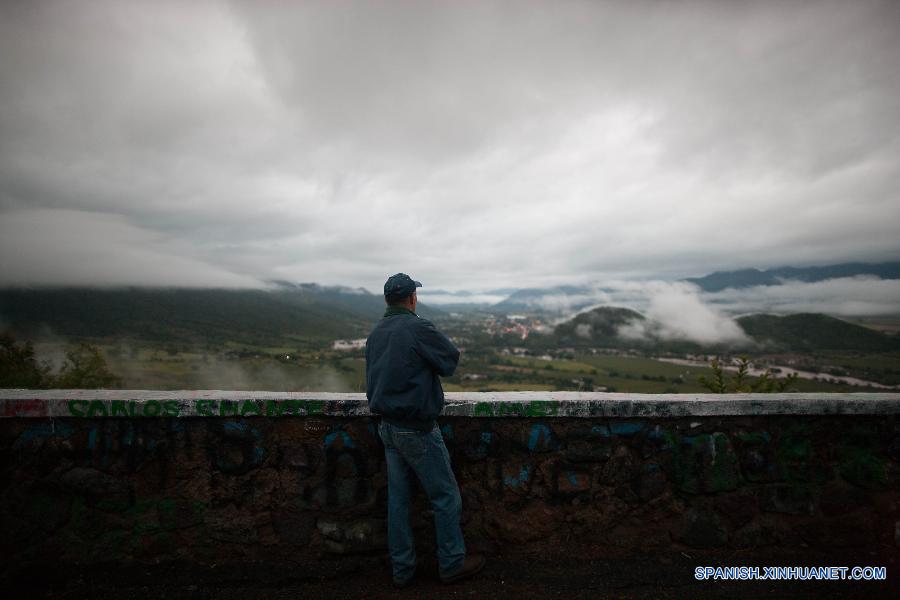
405, 358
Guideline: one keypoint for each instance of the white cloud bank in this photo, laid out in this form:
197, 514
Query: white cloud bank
439, 299
66, 247
676, 312
861, 296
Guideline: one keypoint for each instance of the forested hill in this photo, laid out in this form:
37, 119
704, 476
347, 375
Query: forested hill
812, 331
721, 280
805, 332
289, 312
598, 326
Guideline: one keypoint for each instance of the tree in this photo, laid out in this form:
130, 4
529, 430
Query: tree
18, 366
84, 368
740, 382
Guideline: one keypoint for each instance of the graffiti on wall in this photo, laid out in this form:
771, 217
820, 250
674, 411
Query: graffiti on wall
152, 487
203, 408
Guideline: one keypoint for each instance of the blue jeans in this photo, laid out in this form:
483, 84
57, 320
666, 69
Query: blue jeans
423, 453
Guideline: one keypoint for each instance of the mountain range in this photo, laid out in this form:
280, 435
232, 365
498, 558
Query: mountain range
296, 314
570, 298
721, 280
288, 312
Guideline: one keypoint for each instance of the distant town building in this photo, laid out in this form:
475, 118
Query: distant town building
349, 344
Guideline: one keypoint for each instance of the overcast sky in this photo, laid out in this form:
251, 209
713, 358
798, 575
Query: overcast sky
474, 145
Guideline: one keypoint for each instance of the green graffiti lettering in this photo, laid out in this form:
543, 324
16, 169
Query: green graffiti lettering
152, 408
315, 407
541, 408
250, 406
97, 407
706, 463
206, 407
118, 408
76, 407
484, 409
515, 409
228, 407
171, 408
271, 407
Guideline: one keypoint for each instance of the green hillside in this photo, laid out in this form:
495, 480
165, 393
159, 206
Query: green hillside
598, 326
807, 332
288, 313
184, 315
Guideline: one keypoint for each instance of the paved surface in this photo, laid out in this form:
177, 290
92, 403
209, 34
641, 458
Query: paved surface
521, 576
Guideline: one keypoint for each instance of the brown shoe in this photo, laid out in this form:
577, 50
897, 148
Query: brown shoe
471, 565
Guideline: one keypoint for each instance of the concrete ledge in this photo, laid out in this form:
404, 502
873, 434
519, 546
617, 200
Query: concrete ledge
216, 403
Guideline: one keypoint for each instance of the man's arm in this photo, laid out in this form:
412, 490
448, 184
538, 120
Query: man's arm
436, 348
368, 391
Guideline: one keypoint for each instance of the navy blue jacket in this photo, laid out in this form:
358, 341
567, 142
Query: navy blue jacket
405, 354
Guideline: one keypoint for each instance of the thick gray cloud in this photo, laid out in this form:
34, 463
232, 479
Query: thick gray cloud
475, 145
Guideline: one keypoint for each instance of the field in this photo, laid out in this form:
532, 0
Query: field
599, 372
233, 367
239, 366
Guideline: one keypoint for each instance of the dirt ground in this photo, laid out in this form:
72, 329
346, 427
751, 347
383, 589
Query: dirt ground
505, 576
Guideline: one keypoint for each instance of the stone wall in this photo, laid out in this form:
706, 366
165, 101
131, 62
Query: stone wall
306, 489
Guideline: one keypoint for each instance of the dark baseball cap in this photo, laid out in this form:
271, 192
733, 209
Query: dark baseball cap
400, 286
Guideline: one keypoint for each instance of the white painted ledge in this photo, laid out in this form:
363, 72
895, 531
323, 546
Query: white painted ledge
218, 403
